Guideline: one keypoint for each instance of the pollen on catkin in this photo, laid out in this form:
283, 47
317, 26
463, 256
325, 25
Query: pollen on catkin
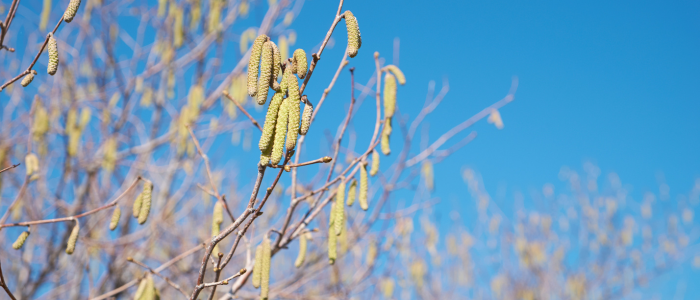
294, 113
339, 219
352, 192
332, 237
146, 202
265, 276
302, 251
386, 133
257, 268
300, 63
20, 240
354, 37
254, 63
28, 79
374, 169
73, 238
364, 185
137, 205
306, 116
52, 66
280, 132
276, 68
389, 95
266, 68
265, 156
72, 9
115, 217
397, 72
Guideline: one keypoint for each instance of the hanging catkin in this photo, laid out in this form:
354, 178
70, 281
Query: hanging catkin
53, 56
302, 251
427, 172
306, 116
146, 202
375, 163
280, 132
294, 116
332, 237
265, 156
301, 66
364, 185
389, 95
73, 238
266, 68
217, 219
28, 79
72, 9
352, 192
115, 217
339, 212
276, 68
257, 268
31, 162
397, 72
254, 63
20, 240
137, 205
354, 37
265, 276
386, 133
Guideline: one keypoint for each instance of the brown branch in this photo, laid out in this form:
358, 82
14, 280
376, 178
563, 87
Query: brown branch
4, 285
325, 159
242, 109
9, 168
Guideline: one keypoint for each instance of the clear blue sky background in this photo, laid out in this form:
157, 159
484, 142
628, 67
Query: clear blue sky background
613, 83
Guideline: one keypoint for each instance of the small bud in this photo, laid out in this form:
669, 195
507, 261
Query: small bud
327, 159
73, 238
254, 63
225, 282
287, 168
72, 9
352, 192
260, 213
354, 37
28, 79
257, 268
20, 240
375, 164
130, 258
53, 56
115, 218
364, 185
339, 219
302, 251
146, 204
306, 116
300, 63
389, 95
242, 271
397, 73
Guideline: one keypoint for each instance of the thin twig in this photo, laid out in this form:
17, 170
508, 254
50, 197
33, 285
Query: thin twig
242, 109
9, 168
154, 272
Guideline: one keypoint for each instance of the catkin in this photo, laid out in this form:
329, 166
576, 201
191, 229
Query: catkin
253, 64
276, 68
386, 133
140, 290
20, 240
302, 251
270, 120
306, 116
31, 163
218, 217
495, 119
354, 37
266, 67
364, 185
300, 63
53, 56
332, 237
371, 253
397, 72
265, 276
137, 205
280, 132
265, 156
146, 202
294, 113
339, 207
115, 217
375, 163
73, 238
427, 172
72, 9
352, 192
389, 95
28, 79
257, 268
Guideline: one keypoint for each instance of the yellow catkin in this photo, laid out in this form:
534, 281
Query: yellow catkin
306, 116
72, 9
257, 268
495, 119
28, 79
140, 290
218, 215
265, 276
300, 62
20, 240
45, 14
332, 237
386, 134
371, 253
364, 185
352, 192
427, 173
115, 218
266, 68
397, 73
265, 157
40, 123
270, 120
53, 56
302, 251
280, 132
276, 67
374, 169
146, 202
137, 205
31, 163
254, 63
354, 37
294, 112
339, 212
178, 28
389, 95
73, 238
